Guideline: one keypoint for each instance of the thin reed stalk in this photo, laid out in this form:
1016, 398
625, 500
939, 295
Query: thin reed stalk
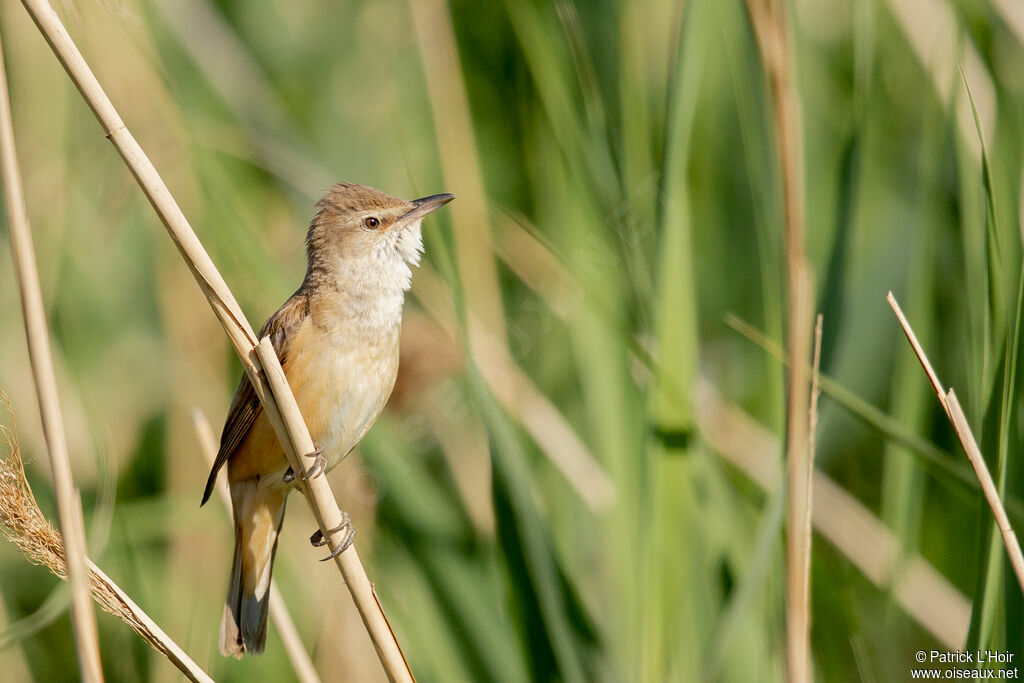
956, 415
278, 402
812, 428
769, 21
303, 665
26, 526
69, 507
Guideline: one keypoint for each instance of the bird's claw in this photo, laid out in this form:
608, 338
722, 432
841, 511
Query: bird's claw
318, 467
318, 541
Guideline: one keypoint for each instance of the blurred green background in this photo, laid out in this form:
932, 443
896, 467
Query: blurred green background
576, 477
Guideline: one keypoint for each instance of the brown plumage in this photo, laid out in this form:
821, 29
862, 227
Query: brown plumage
337, 339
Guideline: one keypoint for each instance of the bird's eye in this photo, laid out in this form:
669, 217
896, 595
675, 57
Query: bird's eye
371, 222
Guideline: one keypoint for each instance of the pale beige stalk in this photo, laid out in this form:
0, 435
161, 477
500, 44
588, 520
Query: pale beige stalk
277, 402
303, 665
812, 428
929, 371
988, 486
69, 510
770, 24
956, 415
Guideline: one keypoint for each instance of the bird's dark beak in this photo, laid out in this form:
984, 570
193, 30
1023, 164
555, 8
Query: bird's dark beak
421, 207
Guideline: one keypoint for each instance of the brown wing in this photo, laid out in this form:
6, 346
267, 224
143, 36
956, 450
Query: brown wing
245, 407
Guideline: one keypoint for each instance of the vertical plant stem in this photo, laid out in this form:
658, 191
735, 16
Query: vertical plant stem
69, 508
303, 665
812, 427
278, 402
769, 20
797, 466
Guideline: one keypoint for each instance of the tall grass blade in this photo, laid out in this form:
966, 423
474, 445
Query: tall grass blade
985, 631
556, 632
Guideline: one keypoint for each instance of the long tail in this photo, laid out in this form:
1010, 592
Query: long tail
258, 516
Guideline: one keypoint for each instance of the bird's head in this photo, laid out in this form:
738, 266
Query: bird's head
359, 230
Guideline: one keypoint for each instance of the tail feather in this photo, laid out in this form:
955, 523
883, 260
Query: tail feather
258, 516
231, 643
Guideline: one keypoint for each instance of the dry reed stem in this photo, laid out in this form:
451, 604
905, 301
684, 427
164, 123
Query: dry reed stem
69, 509
988, 486
933, 378
799, 297
769, 21
812, 427
26, 526
918, 588
303, 665
278, 402
951, 405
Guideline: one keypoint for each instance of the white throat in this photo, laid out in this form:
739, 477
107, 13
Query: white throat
377, 282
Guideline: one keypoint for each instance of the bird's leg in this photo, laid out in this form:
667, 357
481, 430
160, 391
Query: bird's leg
318, 467
317, 539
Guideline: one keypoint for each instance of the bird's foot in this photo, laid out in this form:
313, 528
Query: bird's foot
318, 541
318, 467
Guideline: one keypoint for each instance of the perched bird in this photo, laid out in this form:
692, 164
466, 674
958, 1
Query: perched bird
337, 339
